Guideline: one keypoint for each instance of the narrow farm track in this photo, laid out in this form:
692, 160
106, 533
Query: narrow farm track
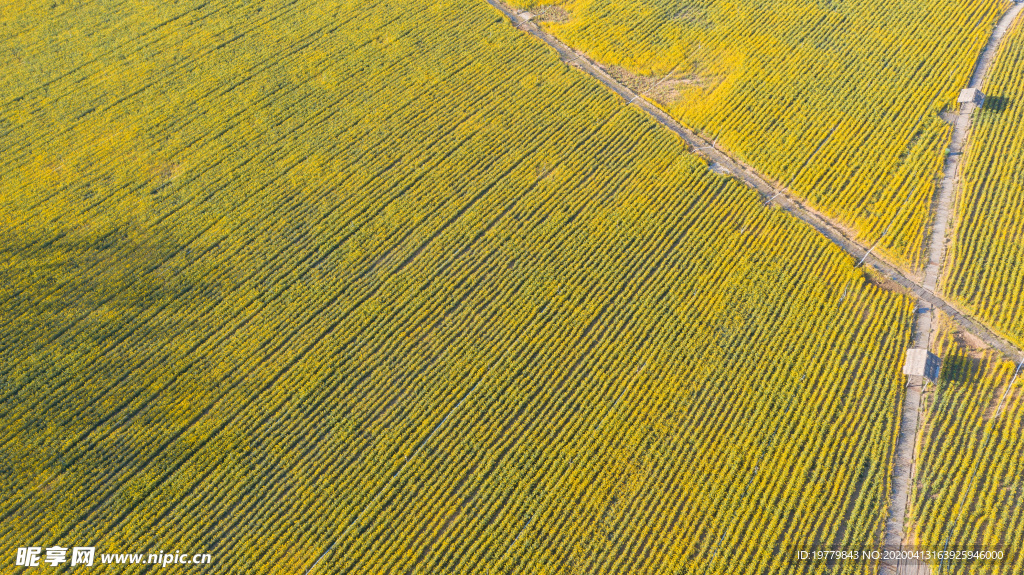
944, 201
721, 162
923, 290
925, 325
903, 470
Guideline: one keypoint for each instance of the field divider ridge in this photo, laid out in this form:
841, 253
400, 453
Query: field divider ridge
722, 162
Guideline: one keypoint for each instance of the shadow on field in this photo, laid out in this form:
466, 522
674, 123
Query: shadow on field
997, 104
960, 369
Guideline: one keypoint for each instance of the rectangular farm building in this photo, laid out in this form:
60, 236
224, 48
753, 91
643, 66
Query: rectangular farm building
971, 96
922, 362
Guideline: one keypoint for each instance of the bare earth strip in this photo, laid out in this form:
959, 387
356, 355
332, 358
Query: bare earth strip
904, 468
951, 169
721, 162
924, 291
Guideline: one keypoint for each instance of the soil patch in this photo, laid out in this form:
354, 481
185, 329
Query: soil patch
551, 13
665, 89
972, 344
692, 16
165, 171
878, 280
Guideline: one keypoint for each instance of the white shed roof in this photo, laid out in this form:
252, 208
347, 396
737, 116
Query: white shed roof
922, 363
917, 360
967, 96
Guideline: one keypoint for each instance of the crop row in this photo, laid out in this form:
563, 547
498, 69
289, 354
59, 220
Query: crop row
985, 271
969, 491
409, 296
839, 103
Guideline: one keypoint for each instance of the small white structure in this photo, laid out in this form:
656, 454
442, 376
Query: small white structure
971, 96
923, 363
526, 16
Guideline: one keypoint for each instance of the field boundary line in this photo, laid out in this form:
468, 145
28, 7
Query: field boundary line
946, 197
927, 326
921, 287
721, 162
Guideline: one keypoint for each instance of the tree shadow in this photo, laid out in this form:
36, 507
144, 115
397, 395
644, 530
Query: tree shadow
997, 104
960, 369
77, 310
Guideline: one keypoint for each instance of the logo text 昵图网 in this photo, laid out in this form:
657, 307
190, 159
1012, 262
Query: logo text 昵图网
86, 556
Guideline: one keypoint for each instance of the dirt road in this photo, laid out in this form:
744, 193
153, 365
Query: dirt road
721, 162
925, 322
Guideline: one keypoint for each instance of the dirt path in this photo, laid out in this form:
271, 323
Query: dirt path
721, 162
895, 533
943, 204
904, 461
